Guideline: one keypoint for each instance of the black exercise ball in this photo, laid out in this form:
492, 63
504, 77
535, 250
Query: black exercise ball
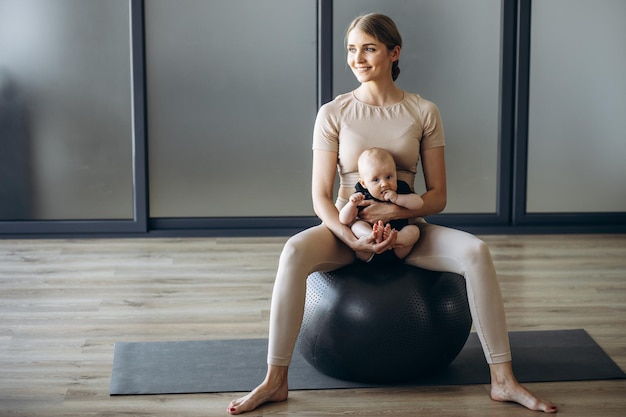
383, 323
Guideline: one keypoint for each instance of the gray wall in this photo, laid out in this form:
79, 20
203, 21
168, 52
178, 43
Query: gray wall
231, 96
65, 110
577, 128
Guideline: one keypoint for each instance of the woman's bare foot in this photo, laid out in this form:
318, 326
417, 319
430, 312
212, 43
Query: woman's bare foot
504, 387
273, 389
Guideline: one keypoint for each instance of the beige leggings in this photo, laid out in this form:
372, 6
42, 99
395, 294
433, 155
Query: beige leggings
439, 248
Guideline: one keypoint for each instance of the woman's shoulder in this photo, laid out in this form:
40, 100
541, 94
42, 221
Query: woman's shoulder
340, 101
425, 109
420, 102
335, 109
347, 103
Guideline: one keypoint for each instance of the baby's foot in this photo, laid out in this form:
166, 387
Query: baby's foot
379, 231
386, 231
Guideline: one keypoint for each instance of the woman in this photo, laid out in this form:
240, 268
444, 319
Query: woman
378, 113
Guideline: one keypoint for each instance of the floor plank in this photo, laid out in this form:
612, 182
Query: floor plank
64, 303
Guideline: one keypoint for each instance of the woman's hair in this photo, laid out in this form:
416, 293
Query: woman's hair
381, 28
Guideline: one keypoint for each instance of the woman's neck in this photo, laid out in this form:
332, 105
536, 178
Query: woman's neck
376, 94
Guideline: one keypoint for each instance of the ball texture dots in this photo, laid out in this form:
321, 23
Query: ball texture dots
383, 323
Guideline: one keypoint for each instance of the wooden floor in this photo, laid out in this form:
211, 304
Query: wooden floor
64, 303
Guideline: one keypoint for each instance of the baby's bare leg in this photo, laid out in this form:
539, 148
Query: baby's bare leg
407, 237
361, 228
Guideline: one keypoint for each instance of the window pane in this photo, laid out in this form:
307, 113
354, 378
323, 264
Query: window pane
232, 102
451, 56
65, 110
576, 143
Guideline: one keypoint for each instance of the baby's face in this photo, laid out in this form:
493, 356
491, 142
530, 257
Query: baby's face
378, 177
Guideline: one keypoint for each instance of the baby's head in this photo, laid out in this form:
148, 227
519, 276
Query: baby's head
377, 170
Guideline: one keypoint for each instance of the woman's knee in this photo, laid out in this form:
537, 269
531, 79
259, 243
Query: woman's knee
477, 250
301, 243
315, 249
479, 266
309, 246
293, 249
440, 241
468, 247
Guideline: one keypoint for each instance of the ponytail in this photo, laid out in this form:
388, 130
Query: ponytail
395, 70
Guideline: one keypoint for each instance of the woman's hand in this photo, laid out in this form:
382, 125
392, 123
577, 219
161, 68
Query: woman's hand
377, 242
375, 211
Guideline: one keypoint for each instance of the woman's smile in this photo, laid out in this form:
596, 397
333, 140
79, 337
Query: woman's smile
367, 57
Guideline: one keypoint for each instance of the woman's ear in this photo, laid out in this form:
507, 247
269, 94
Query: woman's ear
395, 53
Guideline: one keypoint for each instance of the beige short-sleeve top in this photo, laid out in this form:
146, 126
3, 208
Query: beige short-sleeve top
348, 127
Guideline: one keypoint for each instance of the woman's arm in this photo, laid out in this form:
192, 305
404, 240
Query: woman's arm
435, 197
324, 168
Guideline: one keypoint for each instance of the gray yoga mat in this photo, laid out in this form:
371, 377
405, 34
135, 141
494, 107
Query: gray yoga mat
203, 366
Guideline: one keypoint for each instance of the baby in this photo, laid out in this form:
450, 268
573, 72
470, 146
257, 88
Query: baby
378, 181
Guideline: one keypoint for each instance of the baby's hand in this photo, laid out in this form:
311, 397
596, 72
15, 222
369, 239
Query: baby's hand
390, 195
356, 198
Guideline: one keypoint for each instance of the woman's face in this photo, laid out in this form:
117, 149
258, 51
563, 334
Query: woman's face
369, 59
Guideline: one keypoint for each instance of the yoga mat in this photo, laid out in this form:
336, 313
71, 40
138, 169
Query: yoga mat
205, 366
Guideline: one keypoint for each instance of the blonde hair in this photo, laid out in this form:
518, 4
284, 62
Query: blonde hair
375, 154
381, 28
